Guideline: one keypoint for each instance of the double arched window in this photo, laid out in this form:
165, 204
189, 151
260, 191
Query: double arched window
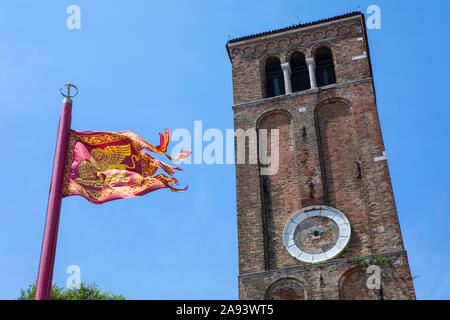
274, 78
299, 72
324, 67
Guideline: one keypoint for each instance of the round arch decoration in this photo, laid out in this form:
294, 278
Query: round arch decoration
286, 289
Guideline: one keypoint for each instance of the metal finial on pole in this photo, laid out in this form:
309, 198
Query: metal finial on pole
68, 95
47, 261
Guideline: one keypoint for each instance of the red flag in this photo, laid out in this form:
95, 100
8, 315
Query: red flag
105, 166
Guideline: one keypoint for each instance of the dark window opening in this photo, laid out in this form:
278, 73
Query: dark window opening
274, 78
324, 67
300, 74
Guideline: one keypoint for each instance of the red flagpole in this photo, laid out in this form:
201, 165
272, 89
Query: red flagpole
45, 275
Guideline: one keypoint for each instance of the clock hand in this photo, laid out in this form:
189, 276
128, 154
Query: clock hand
320, 231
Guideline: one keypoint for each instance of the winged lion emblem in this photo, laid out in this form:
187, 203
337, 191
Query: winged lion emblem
102, 160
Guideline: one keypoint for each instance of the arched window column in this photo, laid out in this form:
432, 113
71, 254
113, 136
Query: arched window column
312, 72
287, 77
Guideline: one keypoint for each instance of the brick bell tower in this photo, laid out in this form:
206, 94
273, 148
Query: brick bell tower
324, 224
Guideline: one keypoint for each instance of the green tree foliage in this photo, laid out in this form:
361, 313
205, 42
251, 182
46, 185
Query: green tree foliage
85, 292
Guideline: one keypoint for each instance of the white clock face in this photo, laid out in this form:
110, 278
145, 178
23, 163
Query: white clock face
316, 234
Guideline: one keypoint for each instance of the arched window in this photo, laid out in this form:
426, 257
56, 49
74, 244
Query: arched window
286, 289
324, 67
274, 78
300, 75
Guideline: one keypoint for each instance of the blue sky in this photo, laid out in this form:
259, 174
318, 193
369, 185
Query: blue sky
146, 65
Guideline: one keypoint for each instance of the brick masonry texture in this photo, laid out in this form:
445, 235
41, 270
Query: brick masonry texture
327, 156
341, 279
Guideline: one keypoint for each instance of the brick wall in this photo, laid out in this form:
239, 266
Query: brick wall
340, 279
